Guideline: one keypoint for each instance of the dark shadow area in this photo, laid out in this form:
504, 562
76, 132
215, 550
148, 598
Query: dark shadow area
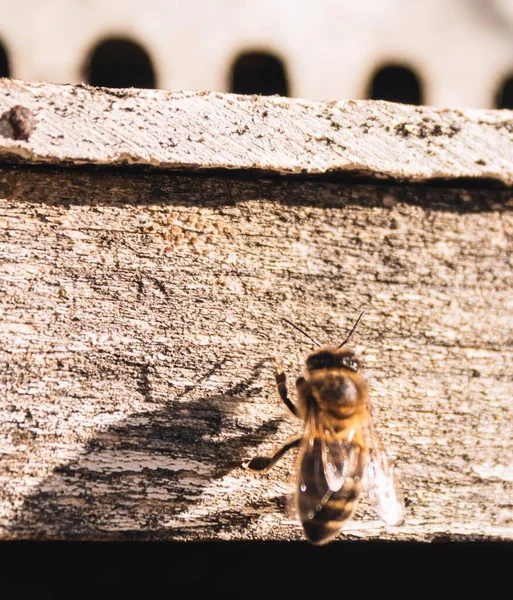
5, 70
78, 497
119, 63
245, 570
116, 186
259, 73
504, 96
396, 83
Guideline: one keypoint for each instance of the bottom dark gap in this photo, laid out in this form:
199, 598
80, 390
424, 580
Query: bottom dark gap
248, 569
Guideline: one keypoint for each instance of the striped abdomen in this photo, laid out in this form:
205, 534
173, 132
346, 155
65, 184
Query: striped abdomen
323, 511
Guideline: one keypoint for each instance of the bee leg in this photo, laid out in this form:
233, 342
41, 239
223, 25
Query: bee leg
265, 463
281, 384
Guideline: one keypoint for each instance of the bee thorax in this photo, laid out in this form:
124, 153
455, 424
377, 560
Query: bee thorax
332, 390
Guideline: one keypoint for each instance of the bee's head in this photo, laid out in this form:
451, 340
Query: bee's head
332, 358
333, 375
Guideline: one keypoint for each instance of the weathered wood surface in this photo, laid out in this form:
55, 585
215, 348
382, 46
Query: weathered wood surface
137, 314
201, 130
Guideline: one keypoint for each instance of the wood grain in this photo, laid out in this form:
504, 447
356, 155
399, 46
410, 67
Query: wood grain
138, 312
202, 130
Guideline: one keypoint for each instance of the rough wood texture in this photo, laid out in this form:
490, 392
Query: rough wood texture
201, 130
137, 314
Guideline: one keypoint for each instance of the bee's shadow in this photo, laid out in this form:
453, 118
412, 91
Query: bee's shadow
137, 477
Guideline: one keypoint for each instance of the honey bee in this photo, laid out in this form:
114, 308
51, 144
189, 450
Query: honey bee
340, 454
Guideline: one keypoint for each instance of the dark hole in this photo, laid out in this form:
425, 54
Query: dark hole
396, 84
120, 63
4, 62
504, 98
259, 73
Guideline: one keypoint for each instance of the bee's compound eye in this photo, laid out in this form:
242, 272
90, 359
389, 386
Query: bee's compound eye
321, 360
351, 363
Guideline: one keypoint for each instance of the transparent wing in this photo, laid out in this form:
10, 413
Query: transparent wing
324, 465
313, 488
335, 463
380, 482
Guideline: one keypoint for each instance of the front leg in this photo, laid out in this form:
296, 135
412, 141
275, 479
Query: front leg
281, 384
265, 463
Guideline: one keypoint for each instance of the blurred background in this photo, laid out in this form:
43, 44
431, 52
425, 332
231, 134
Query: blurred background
437, 52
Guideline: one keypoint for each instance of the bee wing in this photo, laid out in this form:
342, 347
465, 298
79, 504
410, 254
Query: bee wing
380, 482
324, 463
335, 463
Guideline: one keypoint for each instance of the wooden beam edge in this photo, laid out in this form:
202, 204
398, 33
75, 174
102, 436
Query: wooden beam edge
65, 125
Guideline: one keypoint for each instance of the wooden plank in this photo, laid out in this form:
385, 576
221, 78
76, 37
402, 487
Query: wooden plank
200, 130
137, 315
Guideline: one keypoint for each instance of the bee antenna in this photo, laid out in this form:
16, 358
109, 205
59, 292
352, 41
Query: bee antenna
352, 330
303, 332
